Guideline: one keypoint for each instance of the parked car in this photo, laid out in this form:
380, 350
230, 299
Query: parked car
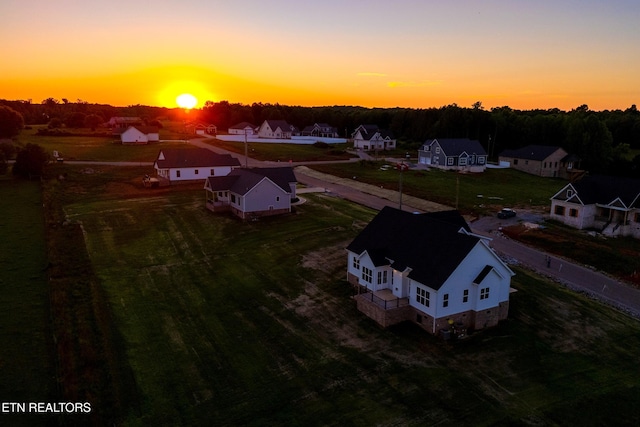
506, 213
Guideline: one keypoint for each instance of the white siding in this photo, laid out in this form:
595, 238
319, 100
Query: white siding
264, 195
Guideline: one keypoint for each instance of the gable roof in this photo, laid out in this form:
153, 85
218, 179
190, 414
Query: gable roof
429, 244
282, 124
605, 189
169, 158
240, 181
531, 152
243, 125
457, 146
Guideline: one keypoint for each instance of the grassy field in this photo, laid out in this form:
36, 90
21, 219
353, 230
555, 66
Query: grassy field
27, 367
228, 323
285, 152
100, 148
480, 193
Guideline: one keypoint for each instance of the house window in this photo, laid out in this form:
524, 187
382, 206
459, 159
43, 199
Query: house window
545, 165
382, 277
462, 161
212, 172
356, 263
445, 300
366, 274
196, 171
233, 198
573, 212
465, 295
526, 162
637, 217
177, 174
569, 194
484, 293
427, 148
277, 198
515, 161
437, 150
450, 161
481, 160
559, 210
422, 296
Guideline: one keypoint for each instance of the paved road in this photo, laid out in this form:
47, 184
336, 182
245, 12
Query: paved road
577, 277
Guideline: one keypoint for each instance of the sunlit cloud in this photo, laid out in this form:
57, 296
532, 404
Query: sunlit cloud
415, 84
371, 74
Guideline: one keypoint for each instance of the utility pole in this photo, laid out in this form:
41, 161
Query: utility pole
246, 154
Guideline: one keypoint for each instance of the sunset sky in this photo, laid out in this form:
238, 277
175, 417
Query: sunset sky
374, 53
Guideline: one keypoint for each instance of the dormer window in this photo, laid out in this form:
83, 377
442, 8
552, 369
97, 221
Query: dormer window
569, 194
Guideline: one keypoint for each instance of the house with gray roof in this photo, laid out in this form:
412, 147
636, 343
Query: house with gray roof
429, 269
174, 165
322, 130
610, 205
251, 193
276, 129
372, 138
453, 154
242, 128
542, 160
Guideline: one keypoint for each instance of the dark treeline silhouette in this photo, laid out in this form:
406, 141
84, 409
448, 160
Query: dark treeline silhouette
602, 139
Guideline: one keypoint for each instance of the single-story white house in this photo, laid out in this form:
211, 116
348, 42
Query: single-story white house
175, 165
429, 269
243, 128
140, 135
251, 193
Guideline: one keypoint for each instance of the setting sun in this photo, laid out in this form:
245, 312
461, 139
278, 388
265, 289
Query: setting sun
186, 101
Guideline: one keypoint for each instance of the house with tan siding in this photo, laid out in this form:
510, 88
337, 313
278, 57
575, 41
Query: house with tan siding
541, 160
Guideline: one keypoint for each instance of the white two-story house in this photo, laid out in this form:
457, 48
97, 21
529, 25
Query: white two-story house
429, 269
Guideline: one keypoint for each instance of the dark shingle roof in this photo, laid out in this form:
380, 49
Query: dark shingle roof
282, 124
457, 146
193, 158
606, 189
430, 244
243, 125
240, 181
531, 152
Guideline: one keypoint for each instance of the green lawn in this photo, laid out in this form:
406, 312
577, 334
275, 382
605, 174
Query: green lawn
273, 152
27, 368
231, 323
480, 193
99, 148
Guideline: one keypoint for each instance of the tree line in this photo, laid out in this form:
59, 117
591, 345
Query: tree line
604, 140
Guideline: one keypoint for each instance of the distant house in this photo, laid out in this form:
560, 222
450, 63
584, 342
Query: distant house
250, 193
243, 128
202, 129
429, 269
175, 165
610, 205
276, 129
140, 135
542, 160
457, 154
119, 124
370, 138
322, 130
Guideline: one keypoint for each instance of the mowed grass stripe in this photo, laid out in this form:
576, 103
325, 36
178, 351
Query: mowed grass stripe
234, 323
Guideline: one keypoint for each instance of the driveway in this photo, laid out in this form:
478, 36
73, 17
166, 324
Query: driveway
576, 277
